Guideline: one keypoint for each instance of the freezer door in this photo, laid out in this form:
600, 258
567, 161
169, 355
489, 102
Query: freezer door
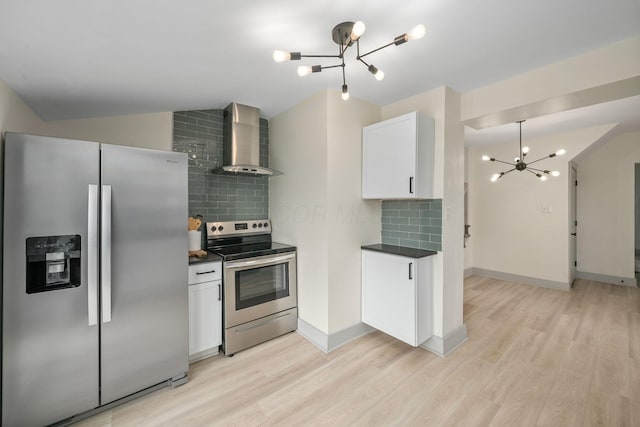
49, 331
144, 311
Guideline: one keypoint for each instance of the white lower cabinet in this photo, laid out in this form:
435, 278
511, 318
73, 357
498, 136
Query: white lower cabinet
396, 295
205, 310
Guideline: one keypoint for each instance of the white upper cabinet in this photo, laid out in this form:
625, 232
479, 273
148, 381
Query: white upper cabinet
397, 158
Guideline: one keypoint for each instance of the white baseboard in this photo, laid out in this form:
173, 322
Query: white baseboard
328, 343
605, 278
444, 346
313, 335
468, 272
203, 354
516, 278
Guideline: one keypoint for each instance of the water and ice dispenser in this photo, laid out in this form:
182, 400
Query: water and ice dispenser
53, 262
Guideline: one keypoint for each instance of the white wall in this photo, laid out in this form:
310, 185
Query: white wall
637, 207
453, 215
605, 243
443, 105
138, 130
468, 252
351, 221
317, 203
15, 115
511, 234
298, 200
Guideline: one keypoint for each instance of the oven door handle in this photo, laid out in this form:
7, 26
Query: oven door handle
259, 262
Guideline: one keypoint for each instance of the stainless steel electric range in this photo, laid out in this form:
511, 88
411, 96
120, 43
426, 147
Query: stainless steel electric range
259, 282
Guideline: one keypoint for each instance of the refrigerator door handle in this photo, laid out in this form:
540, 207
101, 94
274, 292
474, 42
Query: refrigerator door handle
92, 255
105, 246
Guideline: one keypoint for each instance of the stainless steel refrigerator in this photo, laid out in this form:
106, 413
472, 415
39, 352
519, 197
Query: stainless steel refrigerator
94, 298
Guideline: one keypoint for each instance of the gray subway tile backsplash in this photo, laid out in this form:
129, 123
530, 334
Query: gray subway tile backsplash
218, 197
412, 223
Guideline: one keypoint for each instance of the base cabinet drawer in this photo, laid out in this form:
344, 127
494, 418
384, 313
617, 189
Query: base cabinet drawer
206, 272
396, 295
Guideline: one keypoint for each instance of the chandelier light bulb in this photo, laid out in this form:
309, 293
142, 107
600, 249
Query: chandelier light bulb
555, 173
517, 160
345, 93
378, 74
543, 178
560, 152
358, 30
525, 150
304, 70
486, 158
416, 33
495, 177
281, 55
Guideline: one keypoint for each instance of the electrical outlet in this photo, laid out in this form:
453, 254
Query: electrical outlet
545, 209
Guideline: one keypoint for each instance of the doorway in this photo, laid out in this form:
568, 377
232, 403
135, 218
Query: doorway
637, 224
573, 221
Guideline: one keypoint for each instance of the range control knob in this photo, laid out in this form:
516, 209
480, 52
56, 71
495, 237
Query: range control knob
255, 225
220, 228
260, 225
213, 228
266, 224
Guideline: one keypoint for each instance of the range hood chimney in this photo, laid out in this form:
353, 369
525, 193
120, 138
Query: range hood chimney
241, 142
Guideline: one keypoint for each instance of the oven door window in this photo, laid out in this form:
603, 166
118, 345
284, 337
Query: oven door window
263, 284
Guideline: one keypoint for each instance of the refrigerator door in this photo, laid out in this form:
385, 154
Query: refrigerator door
144, 312
50, 337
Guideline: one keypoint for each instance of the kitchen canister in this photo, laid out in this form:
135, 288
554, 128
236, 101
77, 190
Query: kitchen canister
195, 240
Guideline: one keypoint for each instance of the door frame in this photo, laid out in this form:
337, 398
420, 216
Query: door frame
573, 221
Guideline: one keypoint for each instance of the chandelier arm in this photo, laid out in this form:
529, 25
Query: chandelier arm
320, 56
539, 170
375, 50
500, 161
330, 66
542, 158
520, 154
346, 46
504, 173
366, 65
344, 79
532, 172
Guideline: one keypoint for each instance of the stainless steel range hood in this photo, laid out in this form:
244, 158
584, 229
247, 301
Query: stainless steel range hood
241, 142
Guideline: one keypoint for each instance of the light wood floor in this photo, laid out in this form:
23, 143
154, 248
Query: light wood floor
534, 357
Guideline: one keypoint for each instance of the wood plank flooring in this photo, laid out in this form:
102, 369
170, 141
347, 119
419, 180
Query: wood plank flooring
535, 357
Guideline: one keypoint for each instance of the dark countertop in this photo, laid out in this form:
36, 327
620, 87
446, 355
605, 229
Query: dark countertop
399, 250
209, 258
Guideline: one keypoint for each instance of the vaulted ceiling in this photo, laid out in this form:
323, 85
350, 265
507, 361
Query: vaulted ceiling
74, 58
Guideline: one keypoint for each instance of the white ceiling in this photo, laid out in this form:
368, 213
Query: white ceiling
79, 58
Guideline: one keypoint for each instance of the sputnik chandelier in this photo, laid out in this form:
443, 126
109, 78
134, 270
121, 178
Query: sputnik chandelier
345, 35
520, 164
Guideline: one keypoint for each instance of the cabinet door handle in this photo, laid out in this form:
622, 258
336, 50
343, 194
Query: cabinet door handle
205, 272
219, 292
411, 185
410, 271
